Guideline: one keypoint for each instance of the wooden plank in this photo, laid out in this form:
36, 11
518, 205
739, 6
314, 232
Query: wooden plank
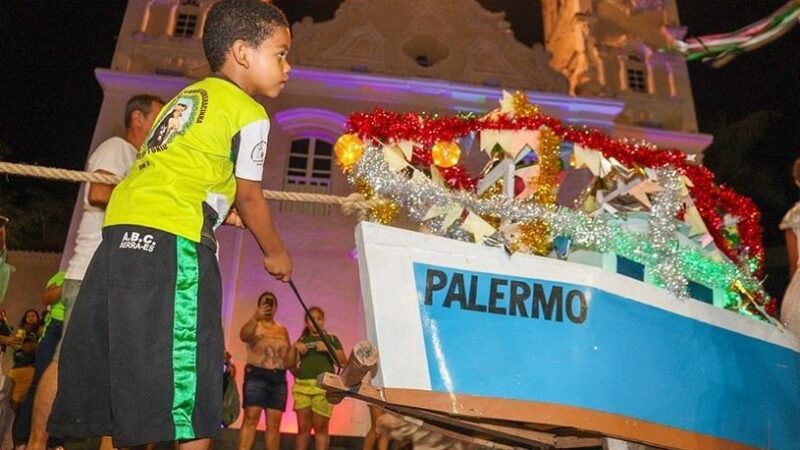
556, 415
465, 428
369, 394
504, 434
455, 435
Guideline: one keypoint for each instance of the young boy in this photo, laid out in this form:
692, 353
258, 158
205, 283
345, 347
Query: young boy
141, 358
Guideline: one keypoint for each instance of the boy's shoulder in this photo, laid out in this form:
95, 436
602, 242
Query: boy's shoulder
221, 85
225, 94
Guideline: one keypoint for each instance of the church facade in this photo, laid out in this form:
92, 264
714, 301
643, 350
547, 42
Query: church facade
599, 65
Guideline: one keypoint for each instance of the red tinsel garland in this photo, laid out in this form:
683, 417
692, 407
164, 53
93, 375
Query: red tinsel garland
712, 201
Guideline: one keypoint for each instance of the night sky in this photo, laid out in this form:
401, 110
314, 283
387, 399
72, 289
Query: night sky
50, 98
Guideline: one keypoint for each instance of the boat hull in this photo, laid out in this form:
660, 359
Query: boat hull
478, 332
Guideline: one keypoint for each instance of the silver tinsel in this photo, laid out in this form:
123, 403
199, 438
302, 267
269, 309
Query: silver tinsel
658, 249
664, 231
455, 231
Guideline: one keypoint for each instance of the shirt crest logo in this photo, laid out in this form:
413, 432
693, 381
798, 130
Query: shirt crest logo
258, 153
177, 117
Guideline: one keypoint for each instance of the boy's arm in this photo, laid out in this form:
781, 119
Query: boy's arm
256, 215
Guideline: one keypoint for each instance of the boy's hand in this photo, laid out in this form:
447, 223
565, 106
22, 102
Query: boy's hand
234, 220
320, 347
279, 265
300, 347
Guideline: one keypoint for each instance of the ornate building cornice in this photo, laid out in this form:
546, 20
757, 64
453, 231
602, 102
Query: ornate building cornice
454, 40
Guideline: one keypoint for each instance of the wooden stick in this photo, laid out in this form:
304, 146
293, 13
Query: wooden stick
363, 359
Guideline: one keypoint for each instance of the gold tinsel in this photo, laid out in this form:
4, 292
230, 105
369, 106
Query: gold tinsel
536, 235
522, 106
362, 187
549, 167
493, 191
384, 212
492, 220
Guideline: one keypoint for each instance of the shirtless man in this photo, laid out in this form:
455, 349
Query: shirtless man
265, 374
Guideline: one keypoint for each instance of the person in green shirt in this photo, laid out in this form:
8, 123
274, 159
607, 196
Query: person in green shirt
51, 336
313, 410
144, 348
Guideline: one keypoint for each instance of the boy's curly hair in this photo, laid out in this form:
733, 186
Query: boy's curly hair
228, 20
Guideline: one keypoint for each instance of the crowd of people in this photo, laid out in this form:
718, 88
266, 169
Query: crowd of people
270, 354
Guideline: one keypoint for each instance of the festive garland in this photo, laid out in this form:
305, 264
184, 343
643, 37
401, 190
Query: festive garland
432, 141
713, 201
719, 49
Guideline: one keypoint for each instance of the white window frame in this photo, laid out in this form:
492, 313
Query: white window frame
309, 178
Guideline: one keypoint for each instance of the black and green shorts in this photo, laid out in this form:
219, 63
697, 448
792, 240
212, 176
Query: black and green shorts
143, 355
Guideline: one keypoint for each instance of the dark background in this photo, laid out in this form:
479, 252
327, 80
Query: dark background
50, 102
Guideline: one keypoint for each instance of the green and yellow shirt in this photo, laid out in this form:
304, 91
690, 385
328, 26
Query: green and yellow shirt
209, 134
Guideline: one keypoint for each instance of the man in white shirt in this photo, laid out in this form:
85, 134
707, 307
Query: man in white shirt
115, 156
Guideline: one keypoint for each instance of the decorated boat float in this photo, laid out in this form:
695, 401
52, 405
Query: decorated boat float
579, 288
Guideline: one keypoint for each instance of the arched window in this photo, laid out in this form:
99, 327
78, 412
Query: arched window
310, 163
308, 170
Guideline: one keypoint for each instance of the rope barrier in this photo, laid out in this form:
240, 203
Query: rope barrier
352, 204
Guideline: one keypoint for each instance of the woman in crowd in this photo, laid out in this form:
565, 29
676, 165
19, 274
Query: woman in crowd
790, 307
313, 410
265, 373
24, 356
